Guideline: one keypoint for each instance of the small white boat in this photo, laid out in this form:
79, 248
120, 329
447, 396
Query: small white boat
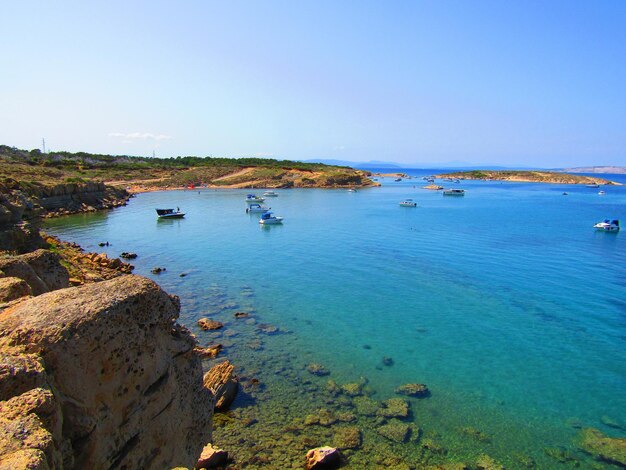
602, 193
593, 185
270, 194
352, 190
408, 203
267, 218
608, 225
454, 192
251, 198
170, 213
256, 208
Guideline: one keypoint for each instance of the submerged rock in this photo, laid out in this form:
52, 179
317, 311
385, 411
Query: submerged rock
394, 408
347, 438
413, 390
484, 462
387, 361
317, 369
241, 315
602, 447
224, 385
209, 325
322, 457
366, 406
128, 255
395, 430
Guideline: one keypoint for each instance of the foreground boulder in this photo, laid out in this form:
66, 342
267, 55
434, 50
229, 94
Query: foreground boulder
322, 457
221, 381
108, 361
212, 457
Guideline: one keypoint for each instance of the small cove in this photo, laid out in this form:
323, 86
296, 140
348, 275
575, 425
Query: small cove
505, 302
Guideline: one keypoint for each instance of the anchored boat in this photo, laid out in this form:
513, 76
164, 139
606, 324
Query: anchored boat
170, 213
454, 192
251, 198
267, 218
608, 225
408, 203
257, 208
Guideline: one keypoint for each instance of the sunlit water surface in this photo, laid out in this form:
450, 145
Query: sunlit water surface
505, 302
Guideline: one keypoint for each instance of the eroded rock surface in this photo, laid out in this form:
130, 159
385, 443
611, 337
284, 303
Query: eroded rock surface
108, 361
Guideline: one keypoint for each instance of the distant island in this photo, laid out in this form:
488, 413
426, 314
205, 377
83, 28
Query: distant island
527, 176
616, 170
139, 174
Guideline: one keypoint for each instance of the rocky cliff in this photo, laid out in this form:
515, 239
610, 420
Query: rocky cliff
98, 376
26, 200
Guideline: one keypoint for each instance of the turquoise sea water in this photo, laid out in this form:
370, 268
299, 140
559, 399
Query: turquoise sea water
505, 302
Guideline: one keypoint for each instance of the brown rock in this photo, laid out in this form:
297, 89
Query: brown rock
224, 385
209, 352
322, 457
12, 288
212, 457
207, 324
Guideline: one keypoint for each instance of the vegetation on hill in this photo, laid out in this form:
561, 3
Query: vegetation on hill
67, 167
526, 176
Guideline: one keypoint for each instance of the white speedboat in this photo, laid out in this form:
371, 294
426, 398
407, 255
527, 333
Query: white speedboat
454, 192
270, 194
608, 225
267, 218
170, 213
352, 190
251, 198
256, 208
408, 203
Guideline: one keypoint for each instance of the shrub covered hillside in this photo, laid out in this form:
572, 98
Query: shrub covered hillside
66, 167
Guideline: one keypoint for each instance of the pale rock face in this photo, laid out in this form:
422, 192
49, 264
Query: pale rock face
13, 288
122, 373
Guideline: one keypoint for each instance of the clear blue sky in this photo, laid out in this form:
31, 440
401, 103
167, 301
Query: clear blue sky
537, 83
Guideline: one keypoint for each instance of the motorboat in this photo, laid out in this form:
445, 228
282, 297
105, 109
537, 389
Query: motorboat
454, 192
564, 194
408, 203
268, 218
608, 225
170, 213
398, 179
270, 194
352, 190
593, 185
602, 193
251, 198
256, 208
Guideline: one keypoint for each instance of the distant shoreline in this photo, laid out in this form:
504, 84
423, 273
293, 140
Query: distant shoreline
528, 177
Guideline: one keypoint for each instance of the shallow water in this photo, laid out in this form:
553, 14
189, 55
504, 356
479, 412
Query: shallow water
505, 302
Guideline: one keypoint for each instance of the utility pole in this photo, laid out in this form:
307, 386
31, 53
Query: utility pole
44, 144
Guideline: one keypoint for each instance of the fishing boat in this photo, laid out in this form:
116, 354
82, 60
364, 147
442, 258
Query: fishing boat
257, 208
608, 225
251, 198
267, 218
170, 213
408, 203
270, 194
454, 192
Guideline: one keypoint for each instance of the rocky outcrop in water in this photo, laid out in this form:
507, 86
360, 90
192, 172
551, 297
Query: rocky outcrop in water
100, 376
221, 381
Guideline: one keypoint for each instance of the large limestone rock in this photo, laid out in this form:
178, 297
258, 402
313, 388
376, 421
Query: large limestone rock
119, 370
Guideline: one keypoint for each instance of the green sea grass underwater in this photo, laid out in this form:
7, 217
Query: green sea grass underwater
506, 303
